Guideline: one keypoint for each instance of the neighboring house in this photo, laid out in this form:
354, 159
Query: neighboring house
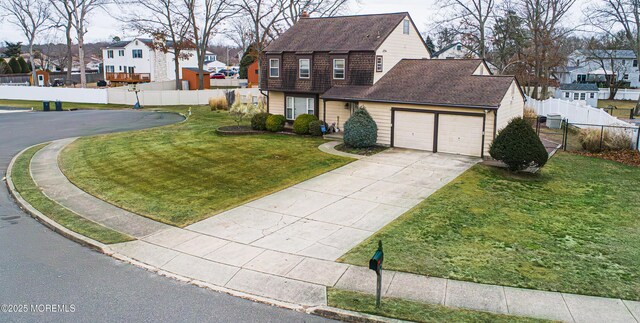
585, 92
584, 66
253, 74
210, 57
454, 51
329, 66
214, 66
137, 61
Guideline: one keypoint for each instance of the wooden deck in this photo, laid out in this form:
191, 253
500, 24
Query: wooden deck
129, 77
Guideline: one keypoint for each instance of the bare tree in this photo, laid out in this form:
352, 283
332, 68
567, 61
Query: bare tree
543, 19
64, 18
471, 18
607, 52
241, 33
264, 17
162, 19
318, 8
81, 11
205, 18
30, 17
613, 15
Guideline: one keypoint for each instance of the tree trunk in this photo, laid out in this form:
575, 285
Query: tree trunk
176, 65
69, 53
33, 64
201, 67
83, 72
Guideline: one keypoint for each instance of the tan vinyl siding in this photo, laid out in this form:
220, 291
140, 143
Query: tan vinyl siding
482, 70
398, 46
337, 113
381, 114
512, 106
276, 102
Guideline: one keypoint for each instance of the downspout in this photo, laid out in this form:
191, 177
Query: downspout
267, 95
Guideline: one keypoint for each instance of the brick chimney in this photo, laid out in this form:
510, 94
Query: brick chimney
304, 14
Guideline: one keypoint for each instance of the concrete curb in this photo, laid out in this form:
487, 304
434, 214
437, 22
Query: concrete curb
46, 221
349, 316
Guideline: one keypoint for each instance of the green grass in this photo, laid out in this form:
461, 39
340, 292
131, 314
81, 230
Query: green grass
623, 107
413, 311
574, 227
183, 173
37, 105
31, 193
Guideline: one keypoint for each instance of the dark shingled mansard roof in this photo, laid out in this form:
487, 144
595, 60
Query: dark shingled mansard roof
431, 82
338, 34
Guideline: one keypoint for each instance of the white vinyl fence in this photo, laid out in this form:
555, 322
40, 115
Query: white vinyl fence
34, 93
622, 94
574, 112
119, 95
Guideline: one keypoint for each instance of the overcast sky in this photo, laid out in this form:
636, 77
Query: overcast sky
102, 27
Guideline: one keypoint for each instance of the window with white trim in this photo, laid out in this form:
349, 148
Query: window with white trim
137, 53
566, 95
583, 96
110, 68
274, 67
299, 105
304, 68
592, 95
121, 52
338, 68
109, 54
405, 27
379, 65
575, 95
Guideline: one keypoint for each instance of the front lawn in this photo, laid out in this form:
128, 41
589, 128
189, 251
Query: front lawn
574, 227
183, 173
623, 107
31, 193
414, 311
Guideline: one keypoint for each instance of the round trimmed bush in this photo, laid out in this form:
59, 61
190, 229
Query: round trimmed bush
259, 121
301, 125
360, 131
518, 146
275, 122
315, 128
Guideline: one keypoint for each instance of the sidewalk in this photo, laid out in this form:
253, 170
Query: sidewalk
283, 247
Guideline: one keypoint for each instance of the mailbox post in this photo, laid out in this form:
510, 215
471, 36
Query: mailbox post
375, 263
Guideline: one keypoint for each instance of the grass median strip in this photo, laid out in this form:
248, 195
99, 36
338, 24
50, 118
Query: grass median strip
414, 311
27, 188
184, 173
572, 228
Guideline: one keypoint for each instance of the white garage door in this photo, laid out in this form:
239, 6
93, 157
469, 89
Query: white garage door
413, 130
458, 134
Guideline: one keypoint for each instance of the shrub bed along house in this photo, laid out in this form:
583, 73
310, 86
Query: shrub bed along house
518, 146
315, 128
301, 124
360, 130
259, 121
275, 123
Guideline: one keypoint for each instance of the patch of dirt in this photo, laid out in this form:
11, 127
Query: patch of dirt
361, 151
627, 157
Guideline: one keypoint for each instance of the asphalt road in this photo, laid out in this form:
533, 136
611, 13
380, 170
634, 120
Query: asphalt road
40, 267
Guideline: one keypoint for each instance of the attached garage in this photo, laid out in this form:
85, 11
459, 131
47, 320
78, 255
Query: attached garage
438, 131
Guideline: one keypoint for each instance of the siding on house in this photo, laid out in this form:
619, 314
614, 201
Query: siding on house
337, 113
399, 46
512, 106
482, 70
276, 102
360, 67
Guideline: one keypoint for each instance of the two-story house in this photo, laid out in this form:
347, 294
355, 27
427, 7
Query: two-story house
137, 60
329, 66
595, 66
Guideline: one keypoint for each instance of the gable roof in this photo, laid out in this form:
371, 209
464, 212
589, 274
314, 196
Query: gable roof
448, 47
345, 33
431, 82
146, 41
590, 87
616, 53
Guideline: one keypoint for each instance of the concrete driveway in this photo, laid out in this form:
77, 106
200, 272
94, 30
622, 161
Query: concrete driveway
283, 246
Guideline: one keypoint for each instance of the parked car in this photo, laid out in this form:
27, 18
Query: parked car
101, 83
58, 82
224, 71
217, 76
